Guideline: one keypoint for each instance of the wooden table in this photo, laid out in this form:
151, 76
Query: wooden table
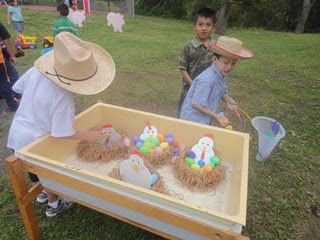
17, 168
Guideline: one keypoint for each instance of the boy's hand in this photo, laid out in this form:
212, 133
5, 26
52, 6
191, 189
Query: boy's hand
232, 105
223, 121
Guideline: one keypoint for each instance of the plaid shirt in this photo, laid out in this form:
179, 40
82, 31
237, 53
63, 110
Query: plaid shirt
195, 58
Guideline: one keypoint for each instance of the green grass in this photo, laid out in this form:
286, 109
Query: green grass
281, 82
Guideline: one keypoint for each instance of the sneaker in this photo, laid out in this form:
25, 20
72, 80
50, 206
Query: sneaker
63, 205
42, 197
19, 53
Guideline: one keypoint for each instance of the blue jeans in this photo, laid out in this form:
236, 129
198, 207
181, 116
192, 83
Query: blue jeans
13, 75
18, 26
6, 89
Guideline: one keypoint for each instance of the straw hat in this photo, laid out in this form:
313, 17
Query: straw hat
231, 48
77, 66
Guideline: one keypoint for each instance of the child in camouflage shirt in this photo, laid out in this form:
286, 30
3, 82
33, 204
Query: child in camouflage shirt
195, 56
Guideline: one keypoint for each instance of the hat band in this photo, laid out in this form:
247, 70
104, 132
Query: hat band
70, 79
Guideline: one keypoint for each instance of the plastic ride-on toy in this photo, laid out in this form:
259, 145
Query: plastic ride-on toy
47, 41
25, 42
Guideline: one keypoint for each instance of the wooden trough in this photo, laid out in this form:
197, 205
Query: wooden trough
164, 215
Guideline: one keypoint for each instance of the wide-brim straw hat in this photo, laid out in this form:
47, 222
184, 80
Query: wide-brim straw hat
77, 66
231, 48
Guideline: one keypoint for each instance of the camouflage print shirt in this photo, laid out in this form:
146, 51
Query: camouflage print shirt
195, 58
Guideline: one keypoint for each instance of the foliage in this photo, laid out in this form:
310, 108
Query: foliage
281, 81
269, 14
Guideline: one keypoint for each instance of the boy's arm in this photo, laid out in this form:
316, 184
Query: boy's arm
212, 114
9, 49
186, 76
91, 136
231, 104
183, 64
9, 18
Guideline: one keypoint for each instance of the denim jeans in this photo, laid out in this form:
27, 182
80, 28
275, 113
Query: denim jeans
13, 75
6, 89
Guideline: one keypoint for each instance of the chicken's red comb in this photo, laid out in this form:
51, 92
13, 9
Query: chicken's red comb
148, 124
106, 126
209, 135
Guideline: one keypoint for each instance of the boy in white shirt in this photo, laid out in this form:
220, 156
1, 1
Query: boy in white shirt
47, 103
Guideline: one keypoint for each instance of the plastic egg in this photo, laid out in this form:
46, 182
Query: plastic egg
148, 140
175, 143
158, 149
225, 122
207, 168
214, 160
126, 142
153, 152
175, 151
148, 144
154, 178
201, 163
137, 139
189, 161
139, 144
191, 154
155, 142
169, 138
161, 138
144, 149
164, 145
195, 167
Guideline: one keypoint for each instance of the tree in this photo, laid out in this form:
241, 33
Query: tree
306, 8
222, 17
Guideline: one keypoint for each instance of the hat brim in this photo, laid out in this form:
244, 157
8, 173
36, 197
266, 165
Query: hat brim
105, 74
244, 53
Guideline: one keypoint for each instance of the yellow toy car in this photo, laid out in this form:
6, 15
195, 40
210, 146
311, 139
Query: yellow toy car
47, 41
25, 42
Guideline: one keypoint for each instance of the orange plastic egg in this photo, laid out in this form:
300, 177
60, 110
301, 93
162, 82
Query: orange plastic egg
207, 168
161, 138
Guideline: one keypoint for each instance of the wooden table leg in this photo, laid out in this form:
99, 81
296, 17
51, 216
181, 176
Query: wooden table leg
24, 196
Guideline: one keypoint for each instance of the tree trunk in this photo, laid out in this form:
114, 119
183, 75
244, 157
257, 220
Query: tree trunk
222, 17
304, 16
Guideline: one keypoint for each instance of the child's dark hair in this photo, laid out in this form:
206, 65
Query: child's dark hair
217, 55
205, 12
63, 9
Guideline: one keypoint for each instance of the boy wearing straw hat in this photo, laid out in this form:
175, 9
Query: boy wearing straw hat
209, 88
47, 103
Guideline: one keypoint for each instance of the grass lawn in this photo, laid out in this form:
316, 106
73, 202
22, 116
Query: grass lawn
281, 82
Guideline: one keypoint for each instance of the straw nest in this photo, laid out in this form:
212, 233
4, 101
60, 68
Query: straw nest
197, 180
157, 187
91, 151
159, 159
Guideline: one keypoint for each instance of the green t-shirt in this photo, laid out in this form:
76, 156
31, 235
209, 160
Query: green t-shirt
64, 24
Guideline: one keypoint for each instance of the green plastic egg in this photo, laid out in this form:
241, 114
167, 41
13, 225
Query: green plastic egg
144, 149
189, 161
214, 160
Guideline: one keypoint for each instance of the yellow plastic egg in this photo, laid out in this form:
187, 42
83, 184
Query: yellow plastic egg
164, 145
195, 167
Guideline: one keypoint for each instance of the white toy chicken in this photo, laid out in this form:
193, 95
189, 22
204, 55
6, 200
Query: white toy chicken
109, 136
134, 171
203, 151
149, 131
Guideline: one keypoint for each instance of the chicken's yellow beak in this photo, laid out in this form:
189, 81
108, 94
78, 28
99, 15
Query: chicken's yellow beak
135, 167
